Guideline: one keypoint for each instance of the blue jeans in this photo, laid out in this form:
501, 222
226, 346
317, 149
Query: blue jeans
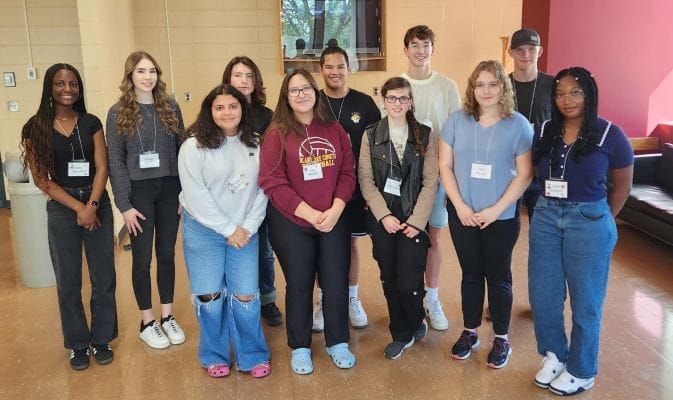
267, 273
570, 245
224, 272
439, 217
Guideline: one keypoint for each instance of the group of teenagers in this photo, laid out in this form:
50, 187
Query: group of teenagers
306, 180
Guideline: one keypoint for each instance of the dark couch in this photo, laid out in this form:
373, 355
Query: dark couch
649, 207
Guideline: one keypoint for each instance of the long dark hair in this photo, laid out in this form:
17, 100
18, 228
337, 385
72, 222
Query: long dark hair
36, 134
588, 135
208, 134
258, 95
415, 127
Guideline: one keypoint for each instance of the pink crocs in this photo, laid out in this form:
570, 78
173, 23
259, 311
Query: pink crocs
261, 370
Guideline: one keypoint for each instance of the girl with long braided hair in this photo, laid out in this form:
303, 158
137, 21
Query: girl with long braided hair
398, 178
573, 230
65, 149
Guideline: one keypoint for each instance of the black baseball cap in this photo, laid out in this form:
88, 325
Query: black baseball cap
525, 36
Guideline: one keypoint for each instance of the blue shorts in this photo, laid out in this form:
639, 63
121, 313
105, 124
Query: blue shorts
439, 217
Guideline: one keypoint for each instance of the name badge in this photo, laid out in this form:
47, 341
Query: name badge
393, 186
237, 183
78, 168
480, 171
149, 159
312, 171
554, 188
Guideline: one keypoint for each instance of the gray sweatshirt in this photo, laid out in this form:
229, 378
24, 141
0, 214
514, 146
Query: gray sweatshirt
219, 186
124, 151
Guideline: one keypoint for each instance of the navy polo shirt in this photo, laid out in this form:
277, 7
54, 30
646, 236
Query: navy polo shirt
587, 177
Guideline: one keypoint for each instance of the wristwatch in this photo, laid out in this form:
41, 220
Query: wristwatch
93, 203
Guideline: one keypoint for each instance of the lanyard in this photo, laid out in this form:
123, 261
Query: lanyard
308, 138
532, 98
154, 122
488, 147
565, 160
343, 100
72, 148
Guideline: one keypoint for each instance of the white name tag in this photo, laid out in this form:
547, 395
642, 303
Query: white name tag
558, 189
149, 159
237, 183
312, 171
480, 171
78, 168
393, 186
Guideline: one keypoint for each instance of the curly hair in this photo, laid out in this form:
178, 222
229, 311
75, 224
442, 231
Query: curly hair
588, 136
506, 102
128, 111
36, 134
208, 134
258, 95
401, 83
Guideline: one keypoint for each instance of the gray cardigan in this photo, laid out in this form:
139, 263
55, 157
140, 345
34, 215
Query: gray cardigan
124, 151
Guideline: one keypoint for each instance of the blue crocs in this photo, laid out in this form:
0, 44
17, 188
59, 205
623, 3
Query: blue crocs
301, 361
341, 355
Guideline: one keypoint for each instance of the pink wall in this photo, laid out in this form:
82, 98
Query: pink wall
626, 45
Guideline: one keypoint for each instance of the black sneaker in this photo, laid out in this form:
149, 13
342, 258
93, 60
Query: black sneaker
79, 359
102, 353
421, 331
395, 349
272, 314
499, 354
467, 342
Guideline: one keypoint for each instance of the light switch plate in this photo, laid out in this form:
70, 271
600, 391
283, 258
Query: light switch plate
12, 106
31, 73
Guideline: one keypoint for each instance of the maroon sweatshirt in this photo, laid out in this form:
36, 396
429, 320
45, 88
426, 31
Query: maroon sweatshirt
282, 176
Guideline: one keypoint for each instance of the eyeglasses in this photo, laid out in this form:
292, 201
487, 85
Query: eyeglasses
306, 90
574, 94
395, 99
417, 47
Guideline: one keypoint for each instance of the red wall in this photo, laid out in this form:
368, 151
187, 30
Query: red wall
626, 45
535, 15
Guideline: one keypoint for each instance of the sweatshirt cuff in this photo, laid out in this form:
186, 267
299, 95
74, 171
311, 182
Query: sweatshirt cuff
227, 229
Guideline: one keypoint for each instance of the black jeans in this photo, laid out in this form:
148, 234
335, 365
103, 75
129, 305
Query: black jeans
303, 253
267, 273
402, 264
485, 255
65, 247
157, 200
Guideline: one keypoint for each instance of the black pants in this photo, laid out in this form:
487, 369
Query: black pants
485, 255
303, 253
157, 200
65, 247
402, 264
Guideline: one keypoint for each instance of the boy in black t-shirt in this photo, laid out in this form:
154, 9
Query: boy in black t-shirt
354, 110
532, 91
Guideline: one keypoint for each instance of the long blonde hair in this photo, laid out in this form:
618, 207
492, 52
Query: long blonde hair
128, 112
506, 102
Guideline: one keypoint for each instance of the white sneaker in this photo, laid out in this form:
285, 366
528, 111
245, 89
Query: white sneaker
356, 313
154, 337
567, 384
434, 311
550, 370
318, 320
175, 334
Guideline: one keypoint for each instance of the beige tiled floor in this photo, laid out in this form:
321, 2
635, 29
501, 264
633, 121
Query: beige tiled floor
636, 351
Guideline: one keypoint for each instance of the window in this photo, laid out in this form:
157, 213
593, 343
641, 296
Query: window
310, 26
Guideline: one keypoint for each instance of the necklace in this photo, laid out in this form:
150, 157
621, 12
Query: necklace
65, 118
329, 103
532, 98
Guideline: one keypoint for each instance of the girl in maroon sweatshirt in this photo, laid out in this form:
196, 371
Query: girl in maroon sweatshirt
307, 170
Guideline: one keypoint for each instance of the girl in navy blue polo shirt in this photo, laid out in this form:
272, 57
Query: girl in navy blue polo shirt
573, 230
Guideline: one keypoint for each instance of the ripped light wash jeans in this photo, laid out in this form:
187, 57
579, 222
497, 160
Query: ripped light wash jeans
214, 267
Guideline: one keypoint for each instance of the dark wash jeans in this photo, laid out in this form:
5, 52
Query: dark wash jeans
65, 245
157, 200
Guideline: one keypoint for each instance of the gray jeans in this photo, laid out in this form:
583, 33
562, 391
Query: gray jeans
65, 246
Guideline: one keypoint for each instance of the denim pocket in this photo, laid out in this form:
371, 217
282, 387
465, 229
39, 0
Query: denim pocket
592, 212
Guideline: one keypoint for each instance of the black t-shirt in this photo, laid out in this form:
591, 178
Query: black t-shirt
261, 118
67, 149
354, 112
541, 107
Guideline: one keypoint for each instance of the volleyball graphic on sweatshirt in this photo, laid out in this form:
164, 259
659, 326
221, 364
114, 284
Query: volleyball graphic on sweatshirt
315, 147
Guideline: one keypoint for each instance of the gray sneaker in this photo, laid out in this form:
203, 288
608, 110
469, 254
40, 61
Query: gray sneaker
421, 331
395, 349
